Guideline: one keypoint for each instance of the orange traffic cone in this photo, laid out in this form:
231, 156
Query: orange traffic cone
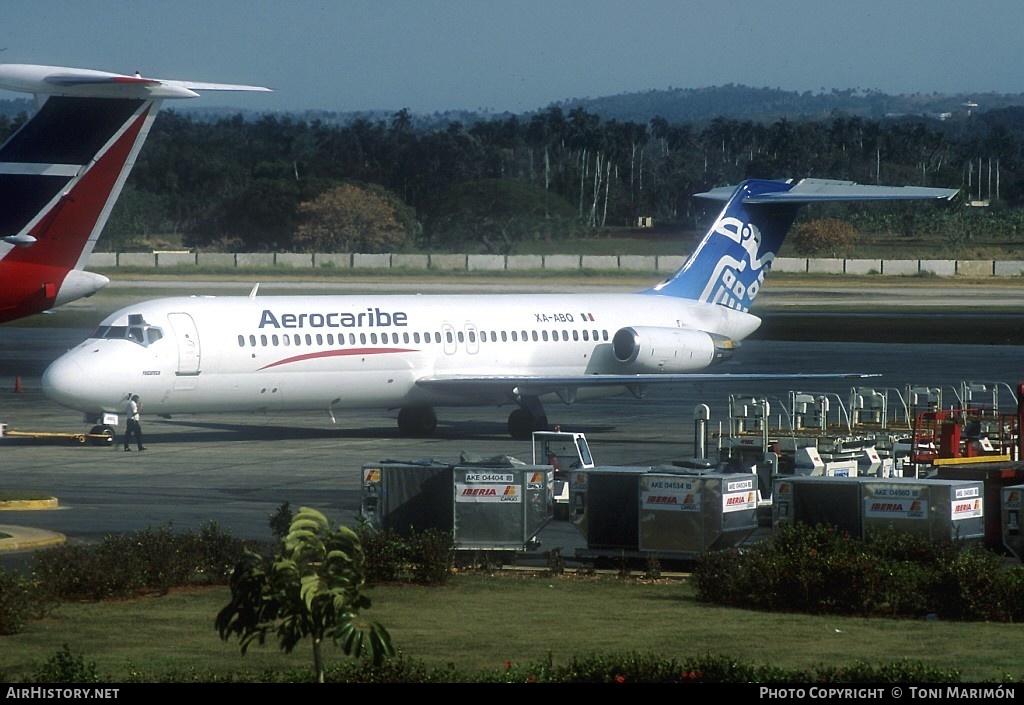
17, 384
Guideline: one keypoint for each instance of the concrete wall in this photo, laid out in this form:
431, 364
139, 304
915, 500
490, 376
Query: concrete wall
524, 263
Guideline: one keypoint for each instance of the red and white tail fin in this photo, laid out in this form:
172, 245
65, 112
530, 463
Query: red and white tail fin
62, 171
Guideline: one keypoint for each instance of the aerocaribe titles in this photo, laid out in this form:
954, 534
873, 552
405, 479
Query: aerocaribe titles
370, 318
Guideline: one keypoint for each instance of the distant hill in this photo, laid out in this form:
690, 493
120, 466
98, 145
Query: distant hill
679, 105
676, 105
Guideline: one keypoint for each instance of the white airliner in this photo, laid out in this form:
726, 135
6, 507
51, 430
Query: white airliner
62, 171
415, 353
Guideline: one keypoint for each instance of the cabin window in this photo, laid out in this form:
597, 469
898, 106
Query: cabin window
586, 334
405, 338
535, 337
543, 335
252, 341
605, 335
274, 339
504, 337
263, 340
575, 334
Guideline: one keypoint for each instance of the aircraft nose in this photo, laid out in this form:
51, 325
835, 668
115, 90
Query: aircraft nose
64, 382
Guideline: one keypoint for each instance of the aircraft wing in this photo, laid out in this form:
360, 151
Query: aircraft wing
565, 386
812, 190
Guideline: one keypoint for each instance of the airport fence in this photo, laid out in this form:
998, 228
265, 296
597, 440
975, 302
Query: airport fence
659, 264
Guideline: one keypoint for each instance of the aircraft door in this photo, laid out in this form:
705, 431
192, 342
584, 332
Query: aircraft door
187, 337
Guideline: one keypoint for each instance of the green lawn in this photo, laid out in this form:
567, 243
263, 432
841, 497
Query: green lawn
480, 621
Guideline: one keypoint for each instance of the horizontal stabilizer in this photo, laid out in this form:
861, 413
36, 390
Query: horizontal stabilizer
815, 190
87, 83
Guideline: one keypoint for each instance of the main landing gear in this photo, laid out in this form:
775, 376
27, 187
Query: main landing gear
523, 422
417, 421
422, 421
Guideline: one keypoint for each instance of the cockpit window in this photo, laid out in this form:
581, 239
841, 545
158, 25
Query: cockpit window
137, 331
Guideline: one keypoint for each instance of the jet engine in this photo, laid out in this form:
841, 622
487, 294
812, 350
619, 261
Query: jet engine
651, 350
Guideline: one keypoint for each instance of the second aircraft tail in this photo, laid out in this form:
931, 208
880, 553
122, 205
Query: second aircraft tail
62, 172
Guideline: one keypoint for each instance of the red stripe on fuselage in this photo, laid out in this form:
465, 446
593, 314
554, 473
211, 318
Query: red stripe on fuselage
347, 352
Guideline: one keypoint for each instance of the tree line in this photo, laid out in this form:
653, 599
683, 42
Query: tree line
278, 183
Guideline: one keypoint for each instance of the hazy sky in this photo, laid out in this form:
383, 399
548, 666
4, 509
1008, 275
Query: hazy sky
522, 55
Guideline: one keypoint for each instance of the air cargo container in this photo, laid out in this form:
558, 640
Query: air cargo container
491, 504
663, 512
934, 508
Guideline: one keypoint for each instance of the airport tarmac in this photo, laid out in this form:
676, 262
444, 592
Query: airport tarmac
237, 469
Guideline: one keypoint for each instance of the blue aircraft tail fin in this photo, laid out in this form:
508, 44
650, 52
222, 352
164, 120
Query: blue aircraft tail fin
729, 264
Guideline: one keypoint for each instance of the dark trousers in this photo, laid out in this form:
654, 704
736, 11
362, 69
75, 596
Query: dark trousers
133, 428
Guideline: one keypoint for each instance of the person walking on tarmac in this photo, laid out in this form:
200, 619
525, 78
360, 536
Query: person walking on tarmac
133, 427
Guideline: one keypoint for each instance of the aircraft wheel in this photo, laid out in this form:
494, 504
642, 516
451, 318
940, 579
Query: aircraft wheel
417, 421
106, 431
521, 424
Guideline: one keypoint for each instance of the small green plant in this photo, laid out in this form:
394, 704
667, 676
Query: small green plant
313, 587
432, 554
21, 600
65, 667
281, 520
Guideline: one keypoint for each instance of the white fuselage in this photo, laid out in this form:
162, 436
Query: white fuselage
229, 354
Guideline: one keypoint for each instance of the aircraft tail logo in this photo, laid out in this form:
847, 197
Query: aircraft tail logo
729, 264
